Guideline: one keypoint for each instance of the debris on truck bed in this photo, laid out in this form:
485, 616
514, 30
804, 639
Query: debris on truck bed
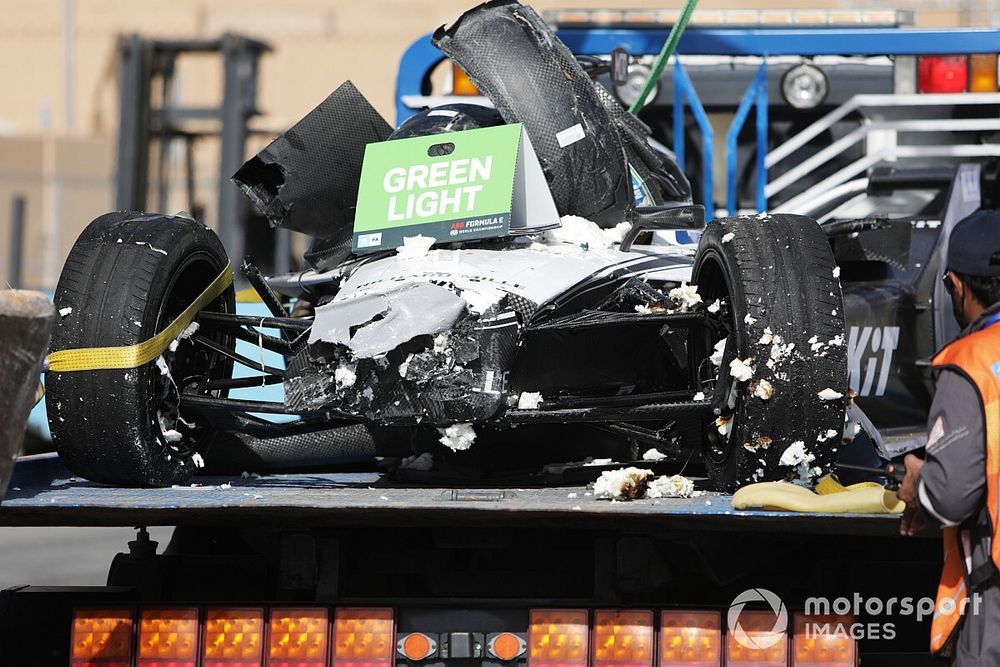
639, 484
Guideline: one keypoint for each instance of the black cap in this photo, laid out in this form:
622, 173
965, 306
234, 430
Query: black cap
974, 245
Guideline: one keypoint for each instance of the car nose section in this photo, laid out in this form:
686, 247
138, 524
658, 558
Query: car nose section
417, 352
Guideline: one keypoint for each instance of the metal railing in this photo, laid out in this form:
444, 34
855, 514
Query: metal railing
889, 116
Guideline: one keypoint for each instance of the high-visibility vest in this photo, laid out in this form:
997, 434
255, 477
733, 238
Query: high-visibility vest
977, 357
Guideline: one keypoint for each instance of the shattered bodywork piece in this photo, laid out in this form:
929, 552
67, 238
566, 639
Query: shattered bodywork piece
307, 179
514, 58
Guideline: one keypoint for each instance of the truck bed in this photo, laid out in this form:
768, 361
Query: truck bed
43, 492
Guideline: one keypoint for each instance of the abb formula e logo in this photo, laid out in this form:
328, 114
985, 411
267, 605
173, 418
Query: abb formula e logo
869, 358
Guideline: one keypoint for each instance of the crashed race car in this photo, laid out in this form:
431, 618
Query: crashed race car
601, 335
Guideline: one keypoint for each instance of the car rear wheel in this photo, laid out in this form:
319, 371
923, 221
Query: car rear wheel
775, 278
127, 277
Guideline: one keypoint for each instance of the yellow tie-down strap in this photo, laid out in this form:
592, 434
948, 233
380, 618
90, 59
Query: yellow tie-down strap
133, 356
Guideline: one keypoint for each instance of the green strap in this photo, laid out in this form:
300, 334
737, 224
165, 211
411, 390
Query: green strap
664, 56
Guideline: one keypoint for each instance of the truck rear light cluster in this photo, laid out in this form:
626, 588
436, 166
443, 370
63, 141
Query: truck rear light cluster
976, 73
682, 638
366, 637
232, 637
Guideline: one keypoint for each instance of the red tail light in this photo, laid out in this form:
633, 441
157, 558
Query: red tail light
558, 638
101, 637
942, 74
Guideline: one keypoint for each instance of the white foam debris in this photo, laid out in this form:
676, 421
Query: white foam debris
796, 454
724, 424
480, 299
763, 390
687, 295
823, 437
763, 215
829, 395
571, 495
653, 454
345, 376
421, 463
457, 437
851, 430
172, 435
837, 340
529, 400
197, 460
740, 369
749, 319
767, 337
161, 363
189, 331
441, 343
726, 238
643, 309
225, 485
622, 484
720, 351
414, 247
700, 396
715, 306
674, 486
403, 367
585, 234
836, 272
63, 312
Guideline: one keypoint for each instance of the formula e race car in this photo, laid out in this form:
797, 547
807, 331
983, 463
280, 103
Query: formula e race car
602, 336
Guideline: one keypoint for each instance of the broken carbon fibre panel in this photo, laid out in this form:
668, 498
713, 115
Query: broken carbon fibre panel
307, 179
514, 58
373, 364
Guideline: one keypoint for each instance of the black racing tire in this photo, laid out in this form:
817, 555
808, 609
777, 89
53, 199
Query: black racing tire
126, 278
779, 276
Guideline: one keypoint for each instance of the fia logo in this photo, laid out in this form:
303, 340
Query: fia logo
869, 358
